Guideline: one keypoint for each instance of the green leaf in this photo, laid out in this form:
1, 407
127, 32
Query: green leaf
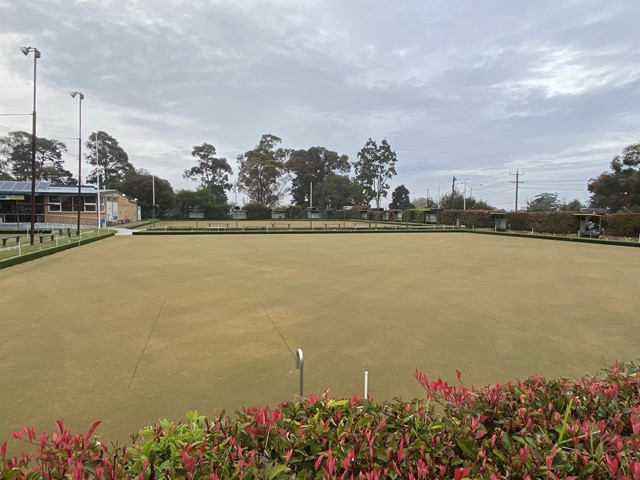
279, 469
468, 447
588, 469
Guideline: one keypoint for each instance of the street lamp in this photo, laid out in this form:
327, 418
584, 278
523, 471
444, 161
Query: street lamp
36, 56
80, 97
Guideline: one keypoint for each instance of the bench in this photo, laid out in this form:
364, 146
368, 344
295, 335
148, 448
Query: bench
42, 236
332, 225
63, 230
9, 237
218, 226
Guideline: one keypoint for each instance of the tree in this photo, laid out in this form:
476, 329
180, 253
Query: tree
201, 199
262, 174
544, 202
16, 150
375, 166
139, 184
400, 198
336, 192
620, 188
313, 166
471, 202
113, 160
573, 206
212, 172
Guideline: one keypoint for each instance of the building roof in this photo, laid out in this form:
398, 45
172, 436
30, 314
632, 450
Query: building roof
44, 188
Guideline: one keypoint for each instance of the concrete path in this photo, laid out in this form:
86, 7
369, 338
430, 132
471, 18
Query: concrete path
123, 231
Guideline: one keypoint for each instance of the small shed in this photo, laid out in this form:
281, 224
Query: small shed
431, 215
278, 214
499, 221
375, 214
392, 215
315, 213
589, 224
238, 214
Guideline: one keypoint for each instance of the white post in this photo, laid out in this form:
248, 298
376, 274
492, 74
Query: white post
366, 384
98, 177
464, 200
300, 366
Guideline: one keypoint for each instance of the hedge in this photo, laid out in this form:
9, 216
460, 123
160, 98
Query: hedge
623, 225
536, 428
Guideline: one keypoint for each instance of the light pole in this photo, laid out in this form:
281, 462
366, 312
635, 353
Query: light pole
36, 56
80, 97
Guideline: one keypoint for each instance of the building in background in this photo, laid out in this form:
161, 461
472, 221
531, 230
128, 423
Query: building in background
59, 205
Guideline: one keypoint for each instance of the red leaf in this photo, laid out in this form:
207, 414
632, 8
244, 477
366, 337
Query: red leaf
91, 430
3, 450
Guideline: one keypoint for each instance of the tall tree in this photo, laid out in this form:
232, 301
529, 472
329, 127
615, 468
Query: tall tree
573, 206
471, 202
313, 166
139, 184
375, 166
113, 160
212, 172
336, 192
544, 202
15, 148
201, 199
262, 174
400, 198
620, 188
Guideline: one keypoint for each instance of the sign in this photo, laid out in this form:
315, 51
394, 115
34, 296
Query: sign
11, 197
196, 214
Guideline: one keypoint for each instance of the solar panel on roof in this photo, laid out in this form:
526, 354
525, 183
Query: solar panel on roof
22, 187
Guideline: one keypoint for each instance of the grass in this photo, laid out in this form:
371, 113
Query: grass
132, 329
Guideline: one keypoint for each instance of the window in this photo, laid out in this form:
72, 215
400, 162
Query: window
54, 203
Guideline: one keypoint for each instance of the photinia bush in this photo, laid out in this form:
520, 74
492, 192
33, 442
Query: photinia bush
537, 428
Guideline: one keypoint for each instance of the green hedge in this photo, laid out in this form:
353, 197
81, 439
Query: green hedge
257, 211
623, 225
468, 218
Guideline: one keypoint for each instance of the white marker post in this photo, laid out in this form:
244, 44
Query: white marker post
300, 366
366, 384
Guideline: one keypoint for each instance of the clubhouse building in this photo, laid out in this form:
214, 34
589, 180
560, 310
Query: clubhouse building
58, 205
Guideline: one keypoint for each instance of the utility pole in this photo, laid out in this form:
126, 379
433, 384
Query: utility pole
453, 194
517, 182
464, 195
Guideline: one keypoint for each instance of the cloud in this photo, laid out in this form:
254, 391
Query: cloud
458, 89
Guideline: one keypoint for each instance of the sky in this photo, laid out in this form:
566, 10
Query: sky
475, 90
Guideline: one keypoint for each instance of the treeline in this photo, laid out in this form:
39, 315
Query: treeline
268, 172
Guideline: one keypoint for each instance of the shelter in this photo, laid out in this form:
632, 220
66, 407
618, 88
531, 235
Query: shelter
278, 214
392, 215
431, 215
238, 214
589, 224
499, 221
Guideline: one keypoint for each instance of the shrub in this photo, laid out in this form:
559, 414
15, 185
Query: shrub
623, 225
257, 211
585, 428
469, 218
